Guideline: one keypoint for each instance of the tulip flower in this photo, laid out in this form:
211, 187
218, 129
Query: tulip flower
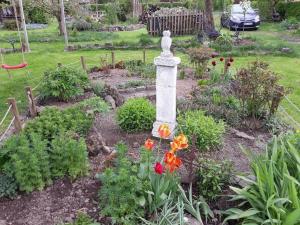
164, 131
172, 161
158, 168
214, 63
149, 144
181, 141
221, 59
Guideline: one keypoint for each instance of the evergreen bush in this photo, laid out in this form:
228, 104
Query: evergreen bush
136, 115
204, 130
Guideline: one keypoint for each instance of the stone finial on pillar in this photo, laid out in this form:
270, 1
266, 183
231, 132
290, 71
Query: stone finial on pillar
166, 79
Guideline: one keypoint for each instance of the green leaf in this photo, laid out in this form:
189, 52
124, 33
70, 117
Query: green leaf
292, 218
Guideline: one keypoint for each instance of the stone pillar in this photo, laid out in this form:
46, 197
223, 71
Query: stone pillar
166, 79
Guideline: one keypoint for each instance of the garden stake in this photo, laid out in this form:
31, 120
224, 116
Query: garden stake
15, 112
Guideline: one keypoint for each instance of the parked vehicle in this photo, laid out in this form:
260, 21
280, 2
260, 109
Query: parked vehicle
235, 18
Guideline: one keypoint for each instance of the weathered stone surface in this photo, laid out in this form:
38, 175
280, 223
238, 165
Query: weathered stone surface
166, 79
109, 99
191, 221
95, 143
113, 92
243, 135
241, 182
286, 50
185, 176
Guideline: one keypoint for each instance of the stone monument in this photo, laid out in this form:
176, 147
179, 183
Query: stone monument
166, 79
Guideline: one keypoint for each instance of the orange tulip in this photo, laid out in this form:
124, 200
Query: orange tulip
181, 141
174, 146
164, 131
169, 157
149, 144
172, 161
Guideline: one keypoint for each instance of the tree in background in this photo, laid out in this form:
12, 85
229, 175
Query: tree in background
209, 17
52, 7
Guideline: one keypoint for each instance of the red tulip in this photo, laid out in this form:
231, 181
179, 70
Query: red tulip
231, 59
158, 168
228, 64
214, 63
221, 59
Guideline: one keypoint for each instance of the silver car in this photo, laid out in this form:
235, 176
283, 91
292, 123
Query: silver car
235, 18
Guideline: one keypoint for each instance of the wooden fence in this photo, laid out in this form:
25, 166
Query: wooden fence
179, 24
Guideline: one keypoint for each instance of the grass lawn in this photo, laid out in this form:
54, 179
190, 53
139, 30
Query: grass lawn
46, 55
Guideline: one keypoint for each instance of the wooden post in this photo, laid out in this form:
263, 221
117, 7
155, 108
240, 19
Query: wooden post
32, 106
15, 112
113, 59
144, 56
23, 24
63, 22
83, 63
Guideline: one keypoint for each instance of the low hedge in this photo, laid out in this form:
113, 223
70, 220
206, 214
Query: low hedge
290, 9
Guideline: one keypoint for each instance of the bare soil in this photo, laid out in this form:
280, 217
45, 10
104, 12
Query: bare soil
120, 76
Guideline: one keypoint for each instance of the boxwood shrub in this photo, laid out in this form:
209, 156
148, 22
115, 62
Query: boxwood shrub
136, 115
204, 130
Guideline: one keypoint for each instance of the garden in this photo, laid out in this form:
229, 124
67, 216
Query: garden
80, 96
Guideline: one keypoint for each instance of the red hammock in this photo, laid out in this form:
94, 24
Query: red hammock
8, 67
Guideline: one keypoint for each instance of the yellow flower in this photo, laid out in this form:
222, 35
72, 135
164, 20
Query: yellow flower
164, 131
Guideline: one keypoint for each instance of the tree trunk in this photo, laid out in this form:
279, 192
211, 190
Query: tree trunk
60, 27
209, 17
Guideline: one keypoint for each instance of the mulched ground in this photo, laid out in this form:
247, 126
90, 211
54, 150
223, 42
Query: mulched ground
61, 201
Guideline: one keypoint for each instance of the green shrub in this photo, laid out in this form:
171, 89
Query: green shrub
265, 9
258, 90
37, 15
289, 9
273, 197
28, 162
49, 146
94, 105
145, 40
136, 115
290, 23
10, 24
52, 120
121, 190
223, 43
63, 83
81, 25
138, 68
99, 88
8, 186
212, 177
68, 156
83, 219
204, 130
200, 58
111, 12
